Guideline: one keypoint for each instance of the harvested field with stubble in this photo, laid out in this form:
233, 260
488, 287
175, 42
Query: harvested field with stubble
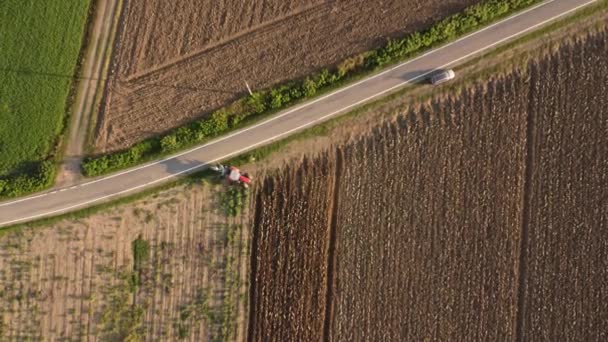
477, 216
170, 267
169, 68
566, 283
407, 252
290, 263
428, 243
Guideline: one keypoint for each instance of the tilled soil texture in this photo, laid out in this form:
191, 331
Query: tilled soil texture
423, 249
479, 216
77, 279
566, 288
429, 221
175, 61
289, 264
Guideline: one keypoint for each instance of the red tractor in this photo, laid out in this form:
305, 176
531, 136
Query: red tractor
233, 175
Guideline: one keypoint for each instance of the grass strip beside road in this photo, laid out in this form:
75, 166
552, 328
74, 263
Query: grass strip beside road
264, 103
40, 43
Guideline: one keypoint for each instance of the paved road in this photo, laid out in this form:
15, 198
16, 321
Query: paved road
287, 122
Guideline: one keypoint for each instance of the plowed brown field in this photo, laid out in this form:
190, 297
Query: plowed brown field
412, 261
480, 216
175, 61
429, 223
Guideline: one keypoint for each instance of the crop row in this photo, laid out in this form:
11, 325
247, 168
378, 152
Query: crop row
268, 101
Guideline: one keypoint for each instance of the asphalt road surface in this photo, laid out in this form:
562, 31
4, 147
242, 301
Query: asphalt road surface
95, 191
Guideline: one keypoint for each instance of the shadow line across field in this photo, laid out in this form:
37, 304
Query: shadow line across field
33, 73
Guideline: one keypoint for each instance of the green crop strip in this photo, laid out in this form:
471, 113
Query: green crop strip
266, 102
40, 43
141, 253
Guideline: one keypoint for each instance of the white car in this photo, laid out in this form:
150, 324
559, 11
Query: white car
442, 76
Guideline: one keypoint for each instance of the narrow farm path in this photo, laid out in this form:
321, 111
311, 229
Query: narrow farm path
90, 82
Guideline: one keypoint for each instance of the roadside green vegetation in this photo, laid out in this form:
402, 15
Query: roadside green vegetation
40, 43
266, 102
234, 200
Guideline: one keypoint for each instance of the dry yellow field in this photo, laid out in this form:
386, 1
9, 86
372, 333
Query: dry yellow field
78, 279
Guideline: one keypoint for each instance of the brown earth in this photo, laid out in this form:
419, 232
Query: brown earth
428, 222
74, 280
477, 216
177, 61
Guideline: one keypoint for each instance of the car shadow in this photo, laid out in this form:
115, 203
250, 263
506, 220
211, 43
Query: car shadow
418, 76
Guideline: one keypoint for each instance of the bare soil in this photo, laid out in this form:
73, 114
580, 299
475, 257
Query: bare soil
293, 257
411, 260
74, 280
430, 254
176, 61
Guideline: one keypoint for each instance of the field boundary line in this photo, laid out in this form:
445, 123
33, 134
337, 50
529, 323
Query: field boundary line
526, 215
253, 269
332, 246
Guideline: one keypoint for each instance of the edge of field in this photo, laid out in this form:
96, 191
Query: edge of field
495, 61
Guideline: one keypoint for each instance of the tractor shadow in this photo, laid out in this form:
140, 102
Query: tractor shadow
181, 167
193, 170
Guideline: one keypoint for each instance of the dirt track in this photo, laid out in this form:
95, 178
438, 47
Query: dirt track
90, 81
169, 68
289, 264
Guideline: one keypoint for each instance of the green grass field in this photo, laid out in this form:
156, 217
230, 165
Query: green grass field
39, 45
